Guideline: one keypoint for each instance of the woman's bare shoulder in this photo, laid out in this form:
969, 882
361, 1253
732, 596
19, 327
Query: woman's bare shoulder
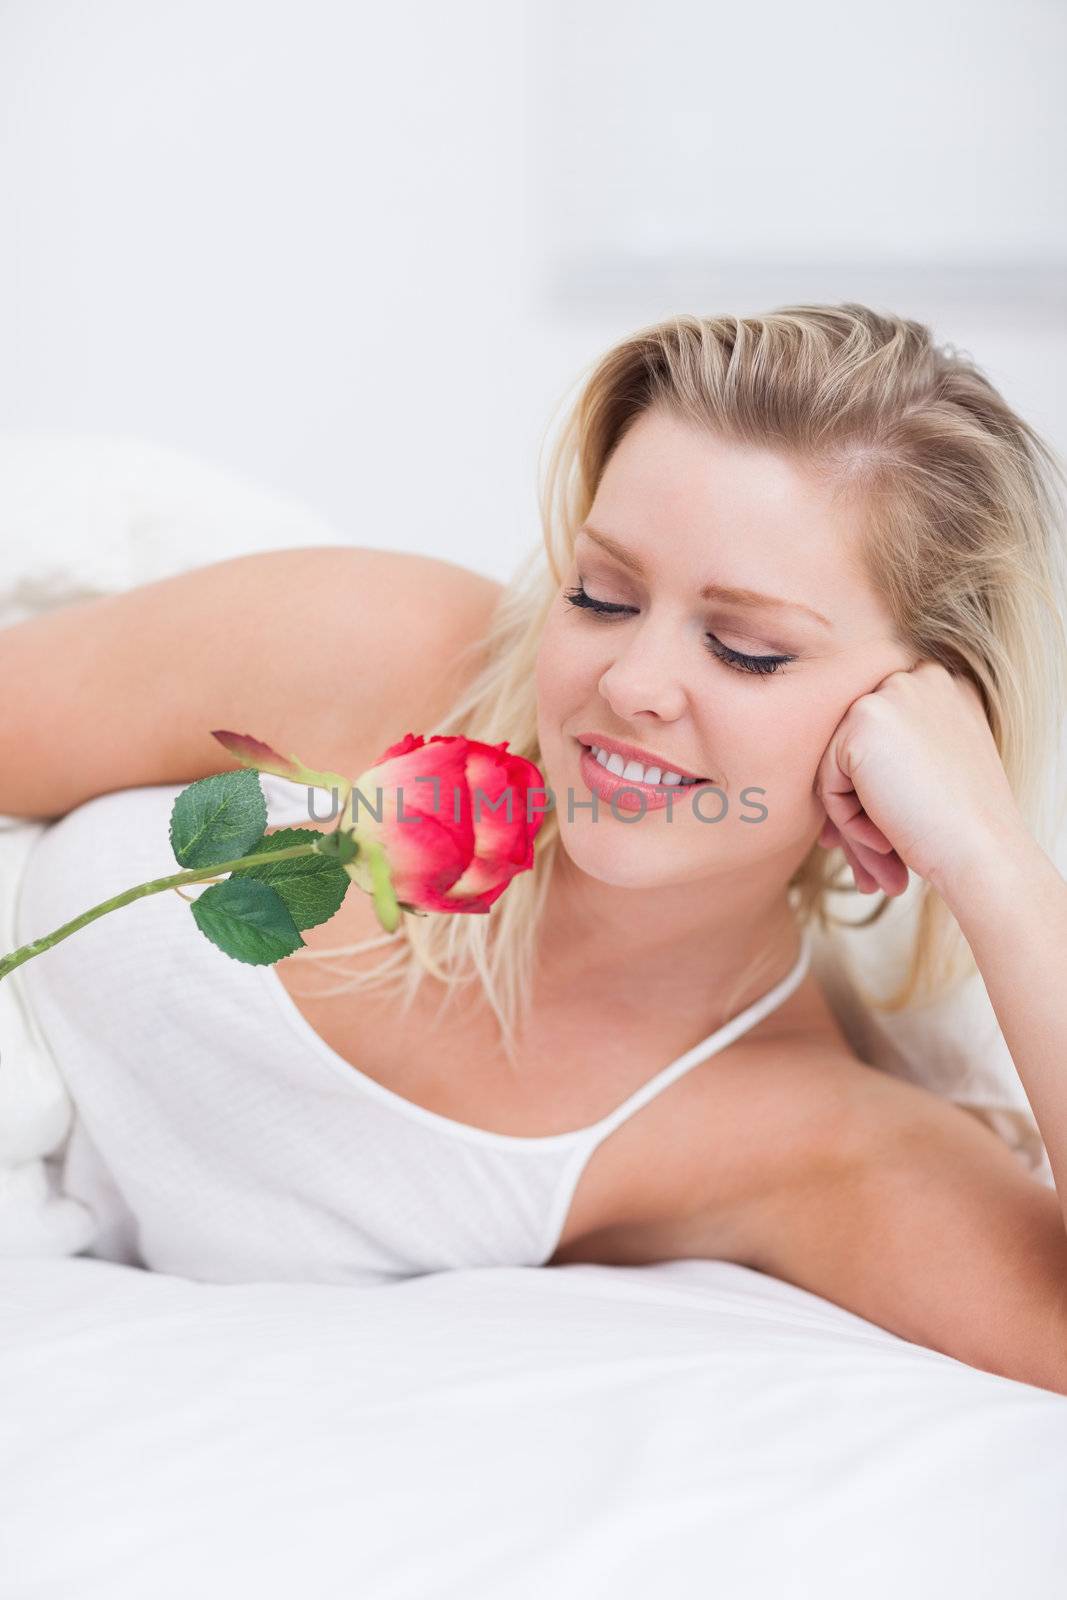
398, 642
379, 611
406, 571
392, 600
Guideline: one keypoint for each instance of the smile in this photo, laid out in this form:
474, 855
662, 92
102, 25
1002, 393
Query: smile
637, 772
633, 793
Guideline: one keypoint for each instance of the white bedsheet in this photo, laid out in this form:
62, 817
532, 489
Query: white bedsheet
684, 1429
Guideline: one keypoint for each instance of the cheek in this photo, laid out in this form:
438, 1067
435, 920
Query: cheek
546, 679
561, 670
773, 743
551, 679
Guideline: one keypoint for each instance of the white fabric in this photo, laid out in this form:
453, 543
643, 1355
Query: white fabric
684, 1430
90, 516
217, 1136
36, 1218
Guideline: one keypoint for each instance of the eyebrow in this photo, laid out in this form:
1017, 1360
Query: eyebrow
750, 598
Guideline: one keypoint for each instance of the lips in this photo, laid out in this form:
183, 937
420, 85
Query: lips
632, 795
646, 758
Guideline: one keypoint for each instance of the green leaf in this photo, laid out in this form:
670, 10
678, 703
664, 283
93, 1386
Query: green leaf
217, 819
312, 886
247, 920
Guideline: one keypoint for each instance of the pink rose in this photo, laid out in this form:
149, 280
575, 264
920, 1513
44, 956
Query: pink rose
453, 844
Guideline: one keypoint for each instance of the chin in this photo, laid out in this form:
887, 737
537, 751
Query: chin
622, 862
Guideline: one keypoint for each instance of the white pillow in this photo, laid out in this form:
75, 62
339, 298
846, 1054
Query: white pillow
89, 516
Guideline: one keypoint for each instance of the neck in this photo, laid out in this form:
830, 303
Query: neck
676, 945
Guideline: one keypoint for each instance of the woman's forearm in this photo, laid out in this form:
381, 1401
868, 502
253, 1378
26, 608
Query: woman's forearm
1010, 901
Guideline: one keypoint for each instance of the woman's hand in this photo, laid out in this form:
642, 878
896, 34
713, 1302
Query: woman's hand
912, 779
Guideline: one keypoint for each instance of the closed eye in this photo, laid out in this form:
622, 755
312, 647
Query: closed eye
737, 659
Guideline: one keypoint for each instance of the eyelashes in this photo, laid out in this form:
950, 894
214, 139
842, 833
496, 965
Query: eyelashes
760, 665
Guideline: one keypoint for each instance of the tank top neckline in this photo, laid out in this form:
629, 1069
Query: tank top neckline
361, 1082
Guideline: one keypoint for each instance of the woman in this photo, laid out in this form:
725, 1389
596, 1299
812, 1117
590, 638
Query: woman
804, 573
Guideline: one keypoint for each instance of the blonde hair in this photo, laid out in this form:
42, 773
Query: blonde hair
964, 539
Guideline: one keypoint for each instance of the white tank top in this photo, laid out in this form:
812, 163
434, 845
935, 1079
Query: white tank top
216, 1136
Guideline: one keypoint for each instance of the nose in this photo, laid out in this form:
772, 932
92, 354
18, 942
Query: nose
643, 678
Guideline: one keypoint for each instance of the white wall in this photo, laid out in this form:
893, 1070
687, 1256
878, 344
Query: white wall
360, 253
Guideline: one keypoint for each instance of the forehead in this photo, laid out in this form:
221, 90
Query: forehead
698, 508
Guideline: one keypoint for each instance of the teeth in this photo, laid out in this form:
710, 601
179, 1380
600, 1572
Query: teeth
634, 772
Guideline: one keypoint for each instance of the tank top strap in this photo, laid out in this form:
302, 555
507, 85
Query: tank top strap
716, 1041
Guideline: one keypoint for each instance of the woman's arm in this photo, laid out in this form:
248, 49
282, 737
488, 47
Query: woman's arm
316, 651
1011, 905
910, 1212
917, 1217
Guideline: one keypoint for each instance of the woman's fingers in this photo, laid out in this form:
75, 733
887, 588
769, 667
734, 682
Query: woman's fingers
872, 868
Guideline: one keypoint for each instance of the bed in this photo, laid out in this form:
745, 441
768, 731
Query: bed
687, 1428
